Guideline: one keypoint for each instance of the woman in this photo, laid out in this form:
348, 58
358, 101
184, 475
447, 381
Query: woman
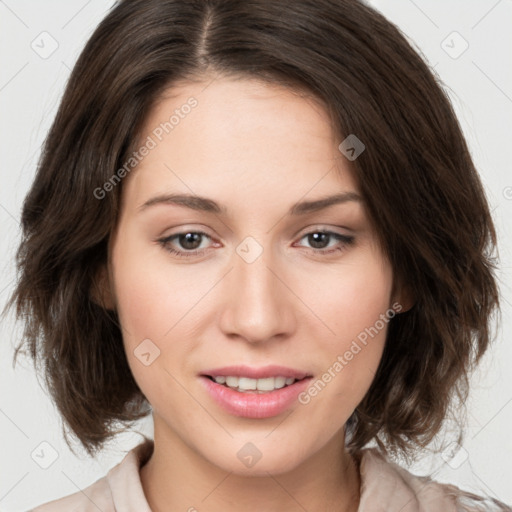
240, 226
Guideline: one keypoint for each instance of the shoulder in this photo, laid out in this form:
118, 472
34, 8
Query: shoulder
387, 485
96, 497
120, 489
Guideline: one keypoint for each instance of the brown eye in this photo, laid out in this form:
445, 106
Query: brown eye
320, 240
184, 244
189, 240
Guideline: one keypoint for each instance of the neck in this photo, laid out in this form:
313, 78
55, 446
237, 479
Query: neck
179, 478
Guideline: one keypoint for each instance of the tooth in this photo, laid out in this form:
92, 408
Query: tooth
246, 383
265, 384
279, 382
232, 382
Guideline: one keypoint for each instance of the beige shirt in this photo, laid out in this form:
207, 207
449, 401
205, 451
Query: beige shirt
385, 487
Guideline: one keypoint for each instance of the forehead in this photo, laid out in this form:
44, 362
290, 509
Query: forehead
238, 138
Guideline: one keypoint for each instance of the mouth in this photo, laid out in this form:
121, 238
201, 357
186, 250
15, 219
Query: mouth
255, 393
254, 386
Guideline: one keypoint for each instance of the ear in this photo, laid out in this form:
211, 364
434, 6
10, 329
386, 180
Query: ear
402, 298
101, 290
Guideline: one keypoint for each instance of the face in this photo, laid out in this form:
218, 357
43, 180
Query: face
253, 276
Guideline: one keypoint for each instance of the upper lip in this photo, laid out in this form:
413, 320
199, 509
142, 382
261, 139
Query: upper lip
256, 373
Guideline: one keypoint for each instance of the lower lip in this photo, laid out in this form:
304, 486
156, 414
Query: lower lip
255, 405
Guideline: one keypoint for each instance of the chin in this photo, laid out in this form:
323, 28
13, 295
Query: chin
249, 461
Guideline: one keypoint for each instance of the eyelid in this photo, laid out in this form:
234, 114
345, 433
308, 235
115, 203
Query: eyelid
343, 239
313, 228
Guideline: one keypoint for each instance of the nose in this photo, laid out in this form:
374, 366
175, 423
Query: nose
258, 304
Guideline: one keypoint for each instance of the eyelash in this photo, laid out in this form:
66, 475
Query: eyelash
164, 242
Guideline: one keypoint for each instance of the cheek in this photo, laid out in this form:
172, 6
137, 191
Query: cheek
158, 302
356, 309
147, 308
152, 296
350, 299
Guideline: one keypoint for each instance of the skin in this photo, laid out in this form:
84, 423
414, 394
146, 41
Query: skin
256, 149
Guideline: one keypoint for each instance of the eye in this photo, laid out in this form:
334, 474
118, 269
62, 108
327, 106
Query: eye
189, 241
321, 239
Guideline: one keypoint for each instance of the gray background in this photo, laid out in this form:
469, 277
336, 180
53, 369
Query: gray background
479, 82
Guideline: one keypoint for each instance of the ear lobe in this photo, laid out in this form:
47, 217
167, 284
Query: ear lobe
403, 300
101, 290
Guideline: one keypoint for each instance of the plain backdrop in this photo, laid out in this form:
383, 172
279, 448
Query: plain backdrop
469, 46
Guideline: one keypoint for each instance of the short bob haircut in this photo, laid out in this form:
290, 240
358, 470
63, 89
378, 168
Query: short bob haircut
416, 176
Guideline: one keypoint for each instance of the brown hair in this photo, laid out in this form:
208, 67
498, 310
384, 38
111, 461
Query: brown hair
421, 189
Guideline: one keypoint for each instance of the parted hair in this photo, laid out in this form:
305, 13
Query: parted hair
421, 190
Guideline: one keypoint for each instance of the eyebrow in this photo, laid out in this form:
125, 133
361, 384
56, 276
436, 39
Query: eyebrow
209, 205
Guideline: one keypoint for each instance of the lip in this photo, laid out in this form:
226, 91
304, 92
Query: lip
256, 373
255, 405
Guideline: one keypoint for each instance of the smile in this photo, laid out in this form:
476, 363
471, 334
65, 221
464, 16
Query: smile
248, 385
